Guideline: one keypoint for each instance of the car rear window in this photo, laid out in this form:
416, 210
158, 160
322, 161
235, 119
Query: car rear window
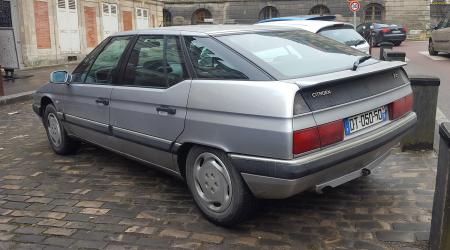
347, 36
294, 54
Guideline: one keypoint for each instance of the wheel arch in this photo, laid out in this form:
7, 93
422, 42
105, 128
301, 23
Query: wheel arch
183, 151
45, 100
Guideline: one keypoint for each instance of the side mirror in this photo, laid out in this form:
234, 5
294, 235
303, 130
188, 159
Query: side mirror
60, 76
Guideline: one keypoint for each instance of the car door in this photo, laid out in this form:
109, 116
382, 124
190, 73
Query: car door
86, 99
439, 36
148, 105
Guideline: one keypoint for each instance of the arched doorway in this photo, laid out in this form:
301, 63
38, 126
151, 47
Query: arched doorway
199, 16
319, 10
373, 13
268, 12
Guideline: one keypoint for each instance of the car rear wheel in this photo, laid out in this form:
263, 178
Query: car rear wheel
431, 49
373, 42
217, 187
60, 142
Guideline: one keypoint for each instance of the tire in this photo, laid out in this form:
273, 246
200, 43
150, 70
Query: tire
431, 50
397, 43
217, 187
60, 142
373, 42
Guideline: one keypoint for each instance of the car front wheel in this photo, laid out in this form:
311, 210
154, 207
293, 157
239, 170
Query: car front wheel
60, 142
431, 50
217, 187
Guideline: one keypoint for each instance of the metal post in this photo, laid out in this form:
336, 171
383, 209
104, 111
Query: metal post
425, 91
440, 221
2, 91
354, 18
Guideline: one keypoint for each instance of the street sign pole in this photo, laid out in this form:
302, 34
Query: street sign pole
354, 6
2, 92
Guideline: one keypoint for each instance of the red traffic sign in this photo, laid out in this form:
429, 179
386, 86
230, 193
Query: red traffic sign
354, 5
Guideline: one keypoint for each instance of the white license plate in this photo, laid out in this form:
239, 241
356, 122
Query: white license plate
396, 32
365, 120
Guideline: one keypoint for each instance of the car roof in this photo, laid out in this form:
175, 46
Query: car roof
204, 30
309, 25
304, 17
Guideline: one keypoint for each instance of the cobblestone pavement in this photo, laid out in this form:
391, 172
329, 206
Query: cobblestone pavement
96, 199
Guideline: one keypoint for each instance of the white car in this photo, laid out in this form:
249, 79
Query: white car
342, 32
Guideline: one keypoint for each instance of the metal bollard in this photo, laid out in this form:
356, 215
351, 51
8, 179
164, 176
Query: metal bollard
440, 221
425, 91
390, 55
385, 46
2, 91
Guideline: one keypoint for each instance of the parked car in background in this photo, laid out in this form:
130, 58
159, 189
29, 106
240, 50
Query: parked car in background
342, 32
236, 111
298, 18
376, 33
440, 38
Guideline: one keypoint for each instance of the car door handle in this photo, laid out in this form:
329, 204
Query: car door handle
165, 109
103, 101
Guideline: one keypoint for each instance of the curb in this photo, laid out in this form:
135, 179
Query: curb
24, 96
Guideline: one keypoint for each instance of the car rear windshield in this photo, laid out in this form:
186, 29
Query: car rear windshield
347, 36
294, 54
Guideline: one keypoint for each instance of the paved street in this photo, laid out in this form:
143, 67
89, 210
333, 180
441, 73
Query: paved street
96, 199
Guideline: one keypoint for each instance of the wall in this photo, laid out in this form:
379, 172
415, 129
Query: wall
414, 14
42, 47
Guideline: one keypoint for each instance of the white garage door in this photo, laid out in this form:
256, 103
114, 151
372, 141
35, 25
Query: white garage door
109, 19
142, 18
69, 33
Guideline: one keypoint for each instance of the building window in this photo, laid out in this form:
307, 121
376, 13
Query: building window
201, 16
268, 12
167, 18
319, 10
373, 13
141, 18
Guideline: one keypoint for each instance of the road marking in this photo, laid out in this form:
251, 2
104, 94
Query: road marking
434, 58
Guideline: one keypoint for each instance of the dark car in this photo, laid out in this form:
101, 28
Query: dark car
376, 33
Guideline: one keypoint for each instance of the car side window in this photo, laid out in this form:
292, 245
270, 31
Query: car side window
155, 61
210, 61
80, 72
106, 64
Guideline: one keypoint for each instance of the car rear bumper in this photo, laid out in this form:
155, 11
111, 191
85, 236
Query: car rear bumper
393, 37
335, 165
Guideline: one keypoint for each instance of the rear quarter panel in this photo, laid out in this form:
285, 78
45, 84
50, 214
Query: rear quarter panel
245, 117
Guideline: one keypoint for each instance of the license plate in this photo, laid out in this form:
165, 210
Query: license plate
396, 31
364, 120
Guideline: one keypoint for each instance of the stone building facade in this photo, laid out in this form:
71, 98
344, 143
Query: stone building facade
50, 32
413, 14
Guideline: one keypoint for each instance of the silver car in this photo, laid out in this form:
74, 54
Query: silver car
239, 112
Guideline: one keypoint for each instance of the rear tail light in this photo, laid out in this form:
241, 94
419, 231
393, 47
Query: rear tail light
305, 140
331, 133
385, 30
400, 107
312, 138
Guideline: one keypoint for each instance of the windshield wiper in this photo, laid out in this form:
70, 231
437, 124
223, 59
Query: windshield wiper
359, 42
355, 42
359, 61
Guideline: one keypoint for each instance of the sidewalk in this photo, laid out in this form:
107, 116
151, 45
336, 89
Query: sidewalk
32, 79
